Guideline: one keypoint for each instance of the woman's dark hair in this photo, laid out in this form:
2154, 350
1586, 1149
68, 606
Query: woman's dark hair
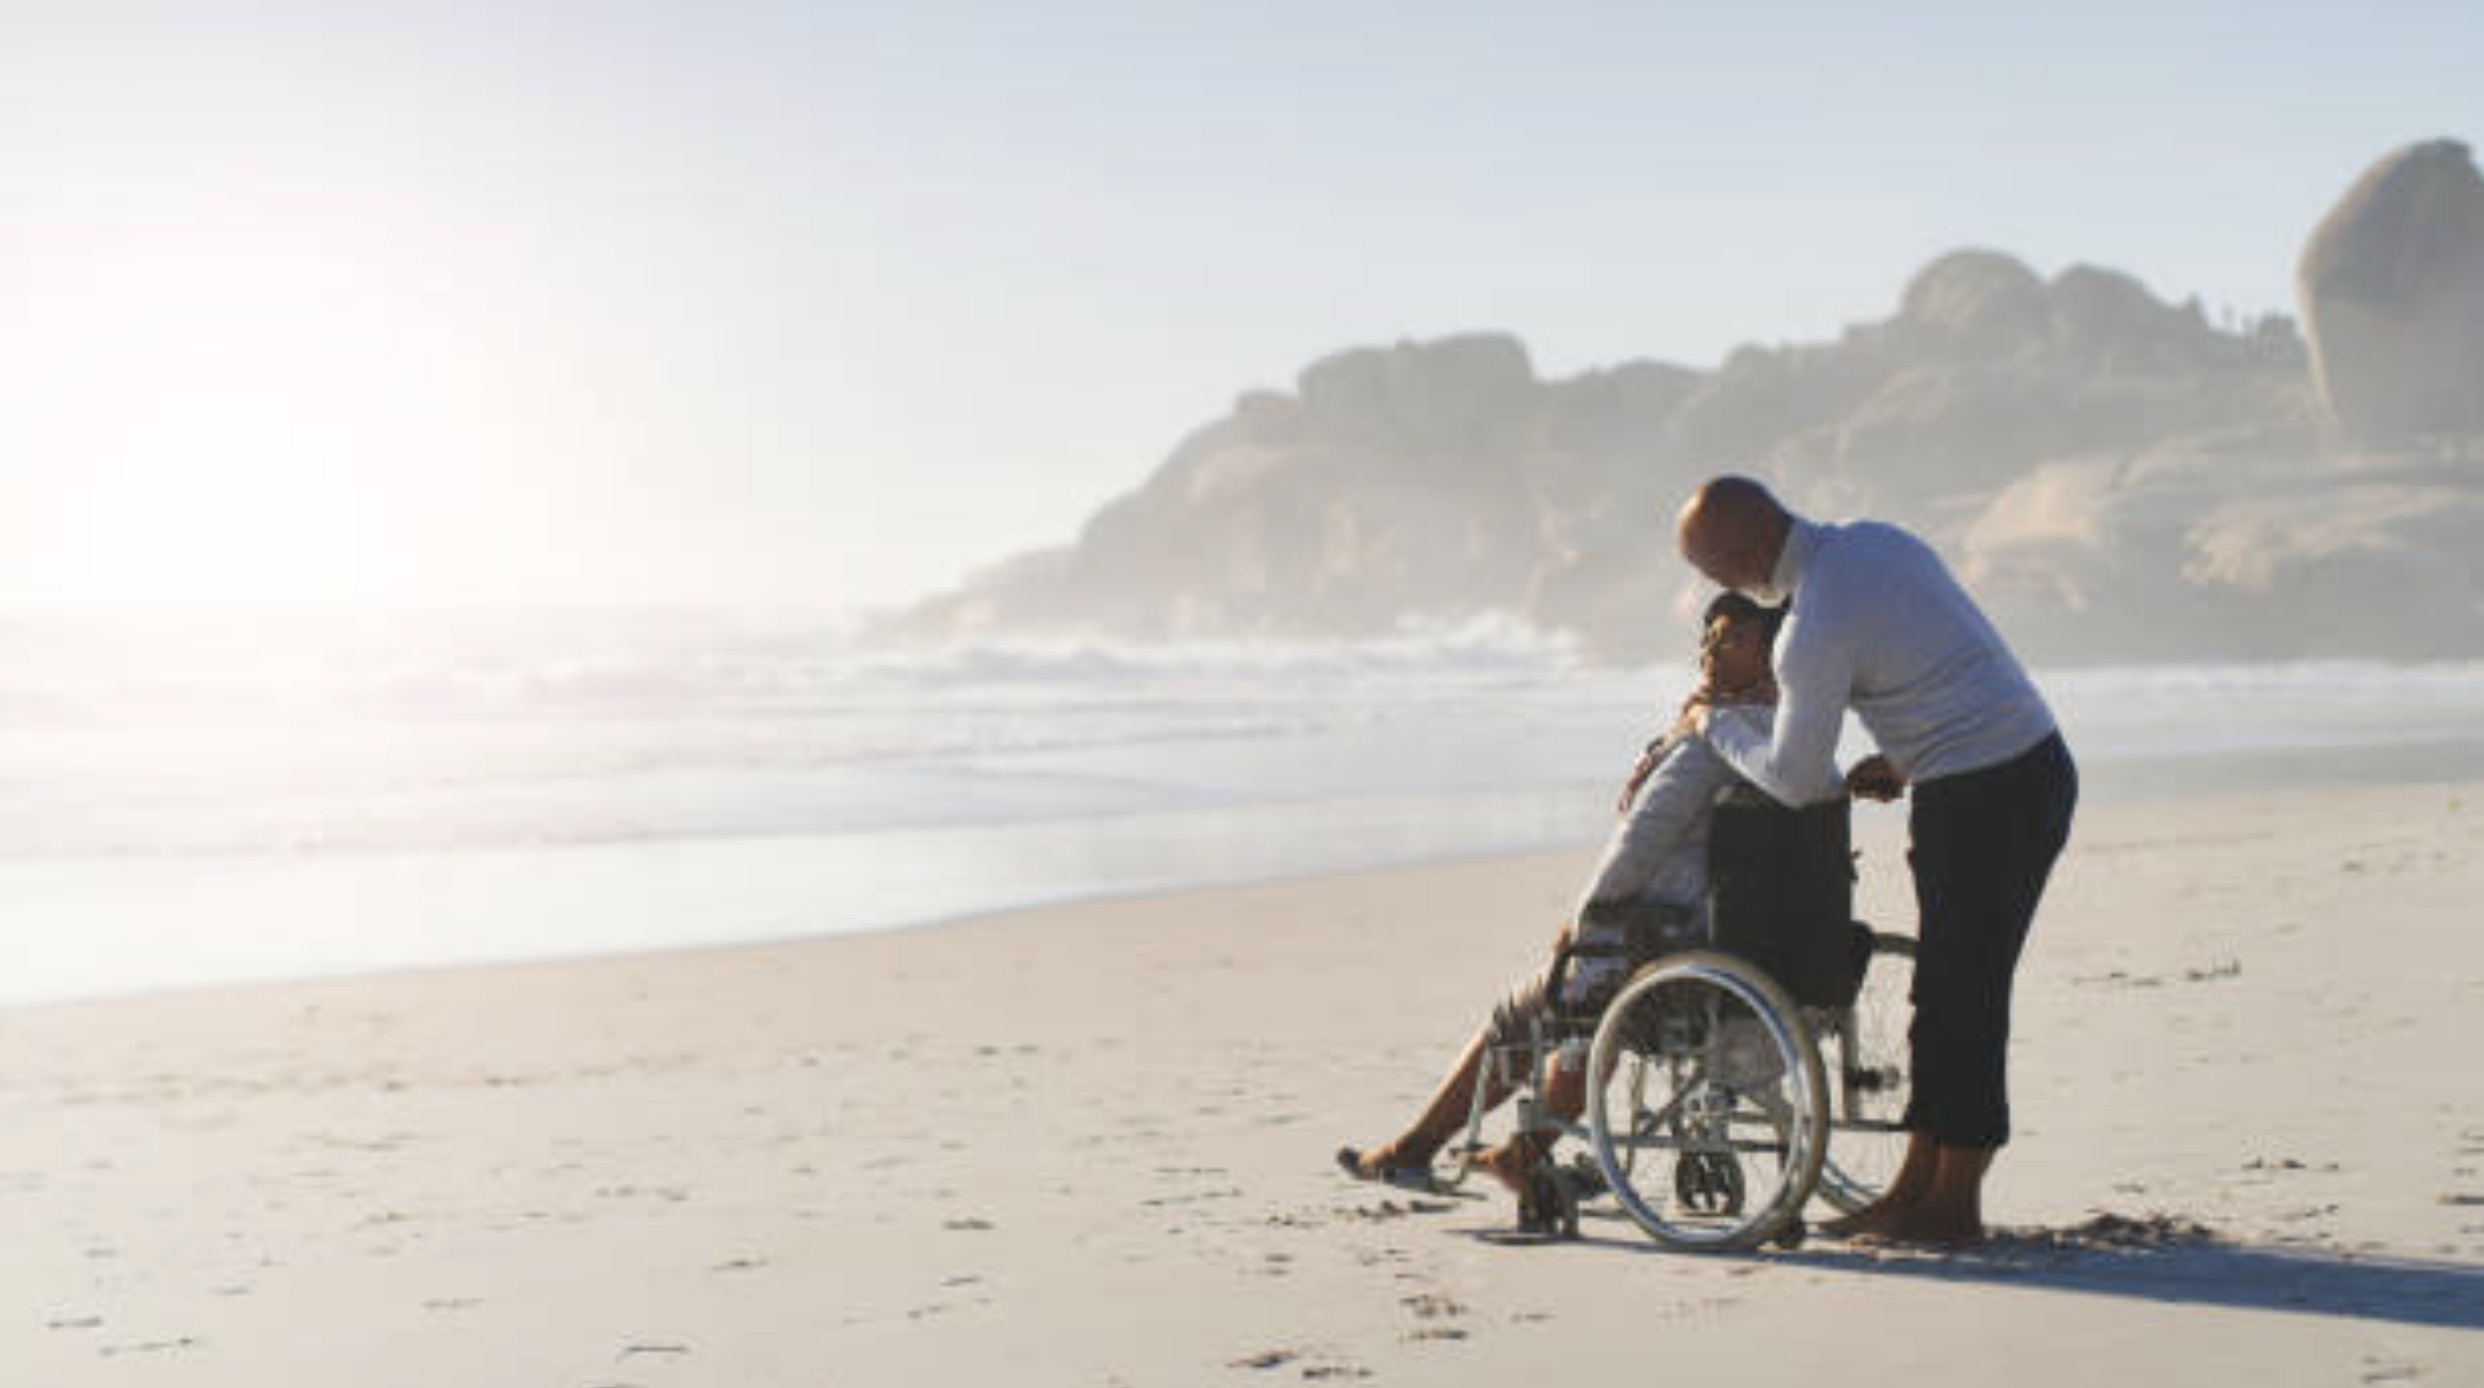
1742, 609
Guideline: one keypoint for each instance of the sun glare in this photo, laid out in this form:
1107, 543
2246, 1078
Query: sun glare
258, 406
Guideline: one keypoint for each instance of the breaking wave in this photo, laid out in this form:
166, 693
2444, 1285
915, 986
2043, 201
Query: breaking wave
151, 738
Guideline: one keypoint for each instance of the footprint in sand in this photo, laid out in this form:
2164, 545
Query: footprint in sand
1433, 1308
152, 1347
1319, 1366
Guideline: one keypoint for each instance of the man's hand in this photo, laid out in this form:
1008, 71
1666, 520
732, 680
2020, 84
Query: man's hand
1873, 778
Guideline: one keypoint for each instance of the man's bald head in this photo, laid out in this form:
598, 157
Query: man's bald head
1732, 529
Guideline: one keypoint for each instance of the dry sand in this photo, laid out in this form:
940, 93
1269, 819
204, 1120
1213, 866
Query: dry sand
1090, 1146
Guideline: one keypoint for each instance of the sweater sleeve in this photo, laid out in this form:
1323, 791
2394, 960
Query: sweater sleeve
1793, 756
1678, 792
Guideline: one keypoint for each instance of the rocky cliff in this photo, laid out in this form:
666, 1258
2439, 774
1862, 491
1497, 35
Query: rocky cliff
2118, 477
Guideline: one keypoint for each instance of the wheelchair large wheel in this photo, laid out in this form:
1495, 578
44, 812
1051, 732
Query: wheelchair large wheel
1706, 1103
1864, 1050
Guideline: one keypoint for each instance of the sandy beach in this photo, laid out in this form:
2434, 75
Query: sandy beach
1090, 1145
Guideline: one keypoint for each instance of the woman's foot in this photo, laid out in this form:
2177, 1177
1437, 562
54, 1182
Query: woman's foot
1510, 1161
1391, 1162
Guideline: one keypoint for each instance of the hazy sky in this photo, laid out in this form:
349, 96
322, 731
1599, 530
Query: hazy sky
824, 304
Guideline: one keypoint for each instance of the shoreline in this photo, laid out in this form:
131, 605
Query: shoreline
1027, 915
419, 910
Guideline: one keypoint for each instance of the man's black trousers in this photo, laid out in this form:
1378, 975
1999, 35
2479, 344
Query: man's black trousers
1983, 844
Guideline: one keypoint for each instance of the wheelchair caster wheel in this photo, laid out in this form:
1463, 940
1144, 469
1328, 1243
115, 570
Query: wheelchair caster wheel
1549, 1208
1709, 1183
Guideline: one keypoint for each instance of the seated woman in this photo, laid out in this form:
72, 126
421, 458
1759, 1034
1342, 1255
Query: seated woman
1649, 895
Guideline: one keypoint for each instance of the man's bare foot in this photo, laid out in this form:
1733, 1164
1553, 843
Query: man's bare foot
1926, 1227
1948, 1212
1872, 1221
1913, 1182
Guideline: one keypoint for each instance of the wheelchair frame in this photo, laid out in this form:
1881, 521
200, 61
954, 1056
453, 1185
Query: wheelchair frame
1699, 1006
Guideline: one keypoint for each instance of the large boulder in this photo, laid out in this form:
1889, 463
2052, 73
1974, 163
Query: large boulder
2392, 287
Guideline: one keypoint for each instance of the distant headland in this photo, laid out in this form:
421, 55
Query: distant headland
2118, 477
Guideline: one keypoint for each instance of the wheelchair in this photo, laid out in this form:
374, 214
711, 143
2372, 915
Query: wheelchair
1729, 1084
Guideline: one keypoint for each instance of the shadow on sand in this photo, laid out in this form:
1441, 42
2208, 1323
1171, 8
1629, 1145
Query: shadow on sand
2205, 1272
2177, 1263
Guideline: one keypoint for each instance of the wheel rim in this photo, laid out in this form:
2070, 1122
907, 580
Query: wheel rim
1864, 1051
1702, 1060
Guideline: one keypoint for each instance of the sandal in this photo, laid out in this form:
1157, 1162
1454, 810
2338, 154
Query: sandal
1414, 1178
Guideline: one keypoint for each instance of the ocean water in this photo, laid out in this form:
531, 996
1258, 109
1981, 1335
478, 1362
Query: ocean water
186, 803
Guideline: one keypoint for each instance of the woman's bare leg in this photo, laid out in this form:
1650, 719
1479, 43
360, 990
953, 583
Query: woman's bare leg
1450, 1106
1564, 1093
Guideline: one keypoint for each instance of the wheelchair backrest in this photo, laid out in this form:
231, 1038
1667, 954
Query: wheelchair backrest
1781, 891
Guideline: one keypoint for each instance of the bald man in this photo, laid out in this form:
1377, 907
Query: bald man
1878, 625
